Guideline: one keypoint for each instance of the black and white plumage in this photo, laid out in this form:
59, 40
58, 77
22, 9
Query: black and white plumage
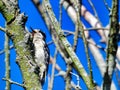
41, 53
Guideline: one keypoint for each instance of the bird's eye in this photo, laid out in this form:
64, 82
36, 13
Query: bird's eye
42, 34
33, 31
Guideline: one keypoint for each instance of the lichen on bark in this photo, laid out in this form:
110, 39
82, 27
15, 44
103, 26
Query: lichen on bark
15, 29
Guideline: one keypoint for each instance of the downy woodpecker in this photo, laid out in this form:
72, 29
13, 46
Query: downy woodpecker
40, 53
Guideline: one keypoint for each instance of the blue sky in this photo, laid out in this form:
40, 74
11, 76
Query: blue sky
35, 21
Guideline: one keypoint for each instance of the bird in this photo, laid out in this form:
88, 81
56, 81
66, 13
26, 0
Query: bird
41, 53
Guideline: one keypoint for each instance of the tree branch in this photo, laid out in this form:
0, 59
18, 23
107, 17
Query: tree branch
7, 62
76, 63
10, 47
80, 27
5, 6
50, 87
68, 77
2, 29
112, 45
106, 4
76, 5
16, 31
12, 82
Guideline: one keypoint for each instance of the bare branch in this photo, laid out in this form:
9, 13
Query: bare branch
12, 82
68, 77
76, 87
57, 67
79, 27
15, 26
2, 29
112, 45
78, 80
7, 62
106, 4
94, 22
94, 10
60, 11
50, 87
63, 74
10, 47
76, 62
76, 5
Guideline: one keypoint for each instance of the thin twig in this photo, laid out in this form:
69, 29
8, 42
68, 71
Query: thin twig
88, 40
57, 67
95, 28
2, 29
77, 7
98, 20
60, 12
68, 77
102, 28
78, 79
95, 12
106, 4
75, 87
12, 82
10, 47
63, 74
7, 62
50, 87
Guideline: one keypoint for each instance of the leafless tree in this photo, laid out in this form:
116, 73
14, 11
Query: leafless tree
16, 31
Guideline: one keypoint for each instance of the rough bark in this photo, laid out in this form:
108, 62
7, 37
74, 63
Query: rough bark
15, 29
